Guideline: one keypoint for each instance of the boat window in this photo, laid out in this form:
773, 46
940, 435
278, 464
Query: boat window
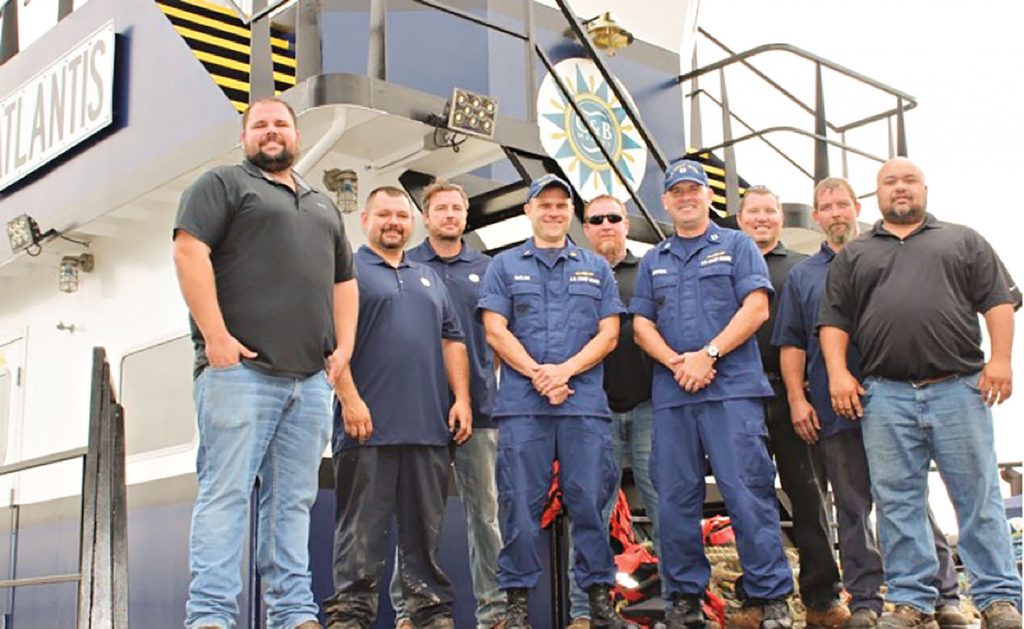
156, 391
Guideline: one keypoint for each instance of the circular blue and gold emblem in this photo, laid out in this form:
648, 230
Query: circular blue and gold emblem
566, 138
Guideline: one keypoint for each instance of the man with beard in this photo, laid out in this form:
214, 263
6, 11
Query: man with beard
551, 313
838, 439
908, 295
392, 426
445, 206
627, 377
273, 303
800, 471
700, 296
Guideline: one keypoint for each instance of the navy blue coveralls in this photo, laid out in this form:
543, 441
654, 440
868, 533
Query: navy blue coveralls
691, 298
553, 308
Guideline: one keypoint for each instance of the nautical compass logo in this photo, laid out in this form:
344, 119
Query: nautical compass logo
566, 139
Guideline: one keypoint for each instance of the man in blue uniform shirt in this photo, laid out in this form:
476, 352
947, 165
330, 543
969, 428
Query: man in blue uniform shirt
699, 298
393, 426
461, 268
846, 467
551, 311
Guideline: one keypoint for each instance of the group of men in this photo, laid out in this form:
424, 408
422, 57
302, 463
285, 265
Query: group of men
440, 357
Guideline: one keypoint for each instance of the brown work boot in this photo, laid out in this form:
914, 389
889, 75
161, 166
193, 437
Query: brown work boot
403, 623
862, 618
905, 616
309, 624
579, 623
950, 617
1000, 615
773, 614
834, 616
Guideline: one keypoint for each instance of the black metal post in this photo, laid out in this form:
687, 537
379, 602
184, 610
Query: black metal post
820, 128
901, 131
376, 59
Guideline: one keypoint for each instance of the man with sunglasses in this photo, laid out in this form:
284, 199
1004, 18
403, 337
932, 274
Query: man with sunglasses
699, 298
627, 377
801, 473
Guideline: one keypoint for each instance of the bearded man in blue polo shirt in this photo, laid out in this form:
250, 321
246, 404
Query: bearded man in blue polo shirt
393, 423
551, 312
699, 298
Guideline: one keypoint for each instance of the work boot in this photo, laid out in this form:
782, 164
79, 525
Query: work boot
757, 614
439, 622
516, 608
950, 617
832, 617
1000, 615
309, 624
404, 623
602, 612
862, 618
579, 623
905, 616
687, 612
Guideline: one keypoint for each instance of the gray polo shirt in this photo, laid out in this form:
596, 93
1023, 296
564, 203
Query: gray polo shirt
276, 255
912, 305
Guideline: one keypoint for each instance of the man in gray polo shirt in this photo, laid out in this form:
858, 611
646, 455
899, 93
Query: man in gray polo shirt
267, 274
908, 294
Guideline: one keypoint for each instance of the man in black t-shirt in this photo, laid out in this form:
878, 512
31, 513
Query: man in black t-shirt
908, 294
267, 274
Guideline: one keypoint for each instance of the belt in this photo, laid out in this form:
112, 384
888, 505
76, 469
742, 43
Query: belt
924, 382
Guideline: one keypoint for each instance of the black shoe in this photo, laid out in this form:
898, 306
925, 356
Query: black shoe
602, 612
776, 615
687, 612
515, 614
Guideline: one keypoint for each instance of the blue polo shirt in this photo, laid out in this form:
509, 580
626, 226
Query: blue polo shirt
462, 276
796, 323
553, 306
398, 362
691, 293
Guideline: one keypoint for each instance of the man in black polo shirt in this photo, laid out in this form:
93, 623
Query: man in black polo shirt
908, 294
267, 274
392, 426
760, 216
627, 378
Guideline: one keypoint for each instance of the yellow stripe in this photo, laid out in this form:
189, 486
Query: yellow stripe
284, 78
209, 6
712, 170
224, 81
205, 21
239, 106
221, 61
188, 33
285, 61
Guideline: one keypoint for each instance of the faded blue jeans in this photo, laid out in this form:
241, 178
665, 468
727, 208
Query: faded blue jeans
254, 425
475, 464
905, 428
631, 437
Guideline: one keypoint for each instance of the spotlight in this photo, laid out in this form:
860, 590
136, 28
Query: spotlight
23, 234
472, 114
69, 271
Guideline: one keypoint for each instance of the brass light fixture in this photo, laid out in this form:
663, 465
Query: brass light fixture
345, 185
606, 34
70, 270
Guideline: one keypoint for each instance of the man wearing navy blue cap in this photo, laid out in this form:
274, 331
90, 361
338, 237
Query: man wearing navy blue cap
445, 206
393, 425
700, 296
551, 312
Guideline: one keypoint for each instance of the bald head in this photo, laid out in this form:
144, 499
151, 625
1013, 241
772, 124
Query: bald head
901, 191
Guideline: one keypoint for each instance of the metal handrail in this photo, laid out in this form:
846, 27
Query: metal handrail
790, 129
909, 102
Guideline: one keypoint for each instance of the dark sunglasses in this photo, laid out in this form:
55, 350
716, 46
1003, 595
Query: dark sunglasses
600, 218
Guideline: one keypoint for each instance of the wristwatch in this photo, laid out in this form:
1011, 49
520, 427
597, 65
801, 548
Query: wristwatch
712, 351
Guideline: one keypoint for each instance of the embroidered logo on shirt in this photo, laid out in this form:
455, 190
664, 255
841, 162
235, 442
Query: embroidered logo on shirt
584, 276
521, 278
717, 256
473, 277
425, 282
658, 272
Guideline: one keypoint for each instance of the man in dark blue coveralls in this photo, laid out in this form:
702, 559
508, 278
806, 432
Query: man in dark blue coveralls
700, 296
551, 312
393, 425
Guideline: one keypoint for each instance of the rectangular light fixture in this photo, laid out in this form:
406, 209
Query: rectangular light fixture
472, 114
23, 233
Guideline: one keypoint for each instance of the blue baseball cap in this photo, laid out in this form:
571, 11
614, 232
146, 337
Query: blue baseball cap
685, 170
541, 184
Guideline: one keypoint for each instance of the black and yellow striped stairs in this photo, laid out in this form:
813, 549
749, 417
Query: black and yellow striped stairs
221, 41
715, 168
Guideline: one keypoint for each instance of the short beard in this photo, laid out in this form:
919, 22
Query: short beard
840, 237
446, 237
904, 217
281, 162
610, 249
390, 246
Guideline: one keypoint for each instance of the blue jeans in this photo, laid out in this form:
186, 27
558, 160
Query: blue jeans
631, 436
475, 463
905, 428
251, 426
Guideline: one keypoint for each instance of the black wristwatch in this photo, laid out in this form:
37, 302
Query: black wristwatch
712, 351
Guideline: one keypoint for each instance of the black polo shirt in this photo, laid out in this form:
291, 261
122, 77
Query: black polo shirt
627, 369
912, 305
277, 254
780, 260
